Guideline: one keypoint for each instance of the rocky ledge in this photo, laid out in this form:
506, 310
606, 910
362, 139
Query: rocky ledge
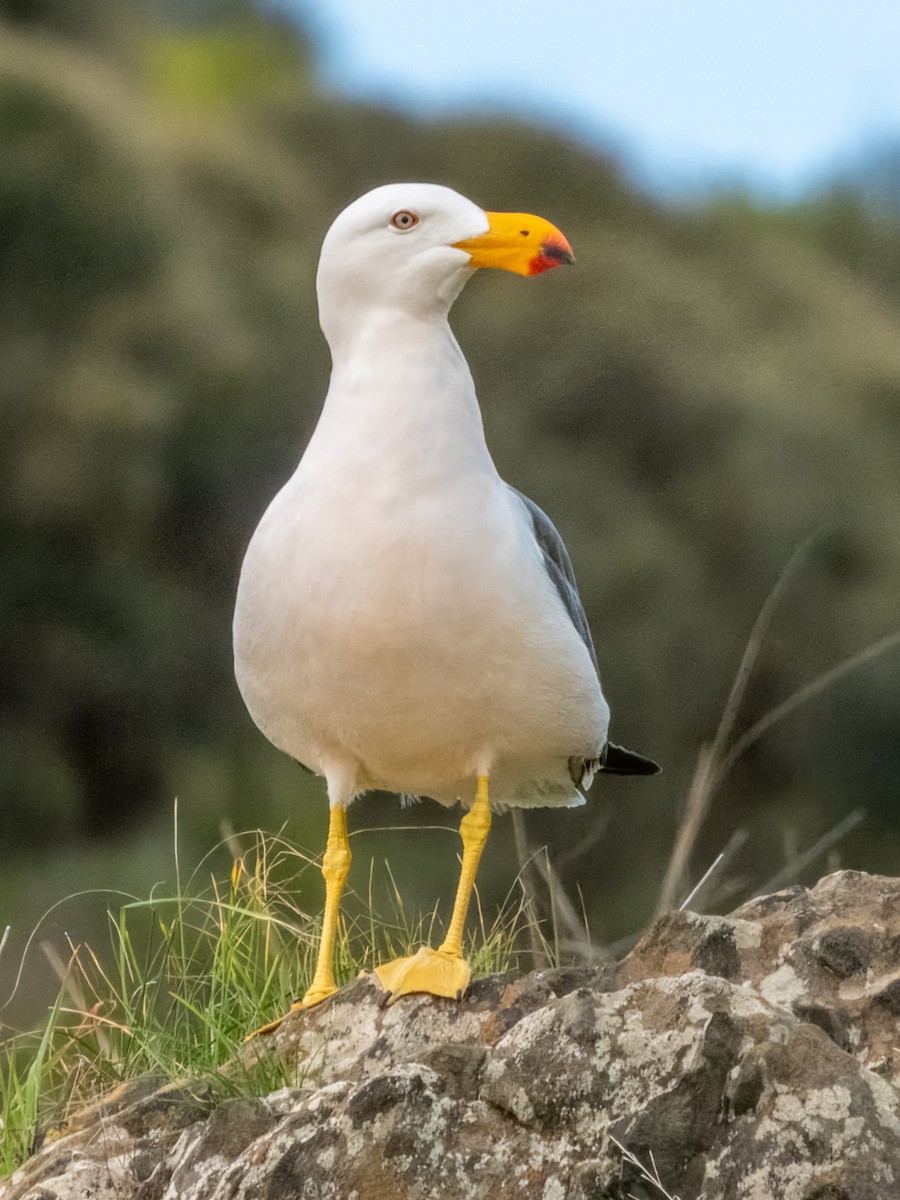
754, 1056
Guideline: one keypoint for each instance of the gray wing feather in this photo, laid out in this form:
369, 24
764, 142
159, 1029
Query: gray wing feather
559, 567
613, 759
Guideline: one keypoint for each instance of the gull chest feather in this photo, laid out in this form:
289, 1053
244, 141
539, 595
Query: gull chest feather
375, 611
393, 607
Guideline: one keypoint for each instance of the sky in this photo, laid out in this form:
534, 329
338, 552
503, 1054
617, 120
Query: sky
771, 94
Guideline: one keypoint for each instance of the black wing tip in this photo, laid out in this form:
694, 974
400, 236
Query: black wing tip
616, 760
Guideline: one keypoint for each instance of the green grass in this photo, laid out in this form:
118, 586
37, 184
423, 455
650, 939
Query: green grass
186, 976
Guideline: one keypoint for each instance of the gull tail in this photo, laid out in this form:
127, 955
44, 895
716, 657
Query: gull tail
616, 760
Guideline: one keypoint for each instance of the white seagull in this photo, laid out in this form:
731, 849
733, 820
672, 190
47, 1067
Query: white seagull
405, 620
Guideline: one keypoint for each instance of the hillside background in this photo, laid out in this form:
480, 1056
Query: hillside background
712, 385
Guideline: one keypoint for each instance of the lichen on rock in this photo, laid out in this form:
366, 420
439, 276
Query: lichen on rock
754, 1056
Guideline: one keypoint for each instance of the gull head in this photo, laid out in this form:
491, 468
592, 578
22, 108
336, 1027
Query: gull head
412, 246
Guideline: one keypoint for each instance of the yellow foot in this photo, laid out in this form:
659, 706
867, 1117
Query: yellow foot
432, 971
314, 996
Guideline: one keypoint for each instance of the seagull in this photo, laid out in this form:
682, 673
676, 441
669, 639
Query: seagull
405, 620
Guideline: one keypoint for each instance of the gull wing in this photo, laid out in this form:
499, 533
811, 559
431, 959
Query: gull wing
614, 760
558, 566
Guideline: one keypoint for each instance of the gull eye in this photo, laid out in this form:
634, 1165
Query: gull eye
404, 219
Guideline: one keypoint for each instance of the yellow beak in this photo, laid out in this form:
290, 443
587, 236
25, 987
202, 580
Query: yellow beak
518, 242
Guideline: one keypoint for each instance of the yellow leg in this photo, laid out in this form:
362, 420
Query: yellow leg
445, 972
473, 829
335, 865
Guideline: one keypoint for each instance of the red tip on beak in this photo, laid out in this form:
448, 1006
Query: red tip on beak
555, 252
519, 242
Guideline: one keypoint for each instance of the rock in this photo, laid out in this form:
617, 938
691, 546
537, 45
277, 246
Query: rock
830, 954
749, 1057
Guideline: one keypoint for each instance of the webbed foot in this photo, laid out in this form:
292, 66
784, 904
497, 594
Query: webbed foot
312, 997
437, 972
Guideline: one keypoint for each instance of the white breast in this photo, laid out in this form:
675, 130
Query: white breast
417, 636
395, 626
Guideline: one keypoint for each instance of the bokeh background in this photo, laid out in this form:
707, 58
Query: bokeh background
717, 381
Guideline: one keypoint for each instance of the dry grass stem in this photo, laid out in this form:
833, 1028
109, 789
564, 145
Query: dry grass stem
706, 771
570, 933
716, 759
808, 692
800, 862
570, 930
704, 879
648, 1174
726, 887
525, 861
698, 800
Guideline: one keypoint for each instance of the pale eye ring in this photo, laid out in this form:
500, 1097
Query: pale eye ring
404, 220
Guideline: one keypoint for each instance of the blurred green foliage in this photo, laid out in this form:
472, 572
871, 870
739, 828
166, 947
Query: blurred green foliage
706, 389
